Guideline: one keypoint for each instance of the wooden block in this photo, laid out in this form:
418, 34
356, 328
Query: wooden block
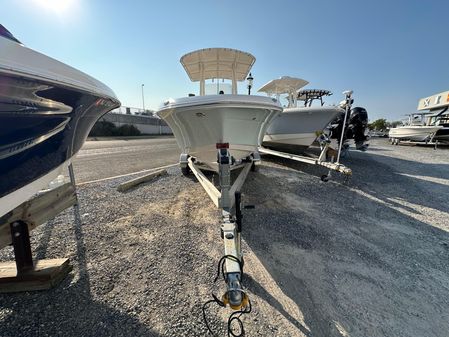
139, 180
45, 275
37, 210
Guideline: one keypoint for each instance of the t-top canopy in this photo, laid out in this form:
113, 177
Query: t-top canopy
218, 63
283, 85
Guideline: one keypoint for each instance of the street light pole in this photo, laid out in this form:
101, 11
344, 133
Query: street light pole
250, 83
143, 100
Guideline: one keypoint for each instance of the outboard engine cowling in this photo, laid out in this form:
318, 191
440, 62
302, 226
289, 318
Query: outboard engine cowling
356, 127
358, 122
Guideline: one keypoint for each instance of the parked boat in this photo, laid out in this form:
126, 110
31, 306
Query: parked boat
414, 129
47, 109
297, 127
224, 119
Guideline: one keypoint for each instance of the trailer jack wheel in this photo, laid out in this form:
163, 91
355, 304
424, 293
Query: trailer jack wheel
325, 178
253, 167
185, 170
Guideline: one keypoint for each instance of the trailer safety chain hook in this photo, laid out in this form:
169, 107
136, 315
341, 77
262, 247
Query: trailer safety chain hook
234, 320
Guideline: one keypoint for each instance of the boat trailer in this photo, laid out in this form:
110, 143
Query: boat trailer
228, 198
429, 142
325, 142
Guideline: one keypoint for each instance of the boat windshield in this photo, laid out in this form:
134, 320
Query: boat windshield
6, 34
218, 88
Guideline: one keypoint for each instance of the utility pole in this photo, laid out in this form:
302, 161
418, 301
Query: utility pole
143, 100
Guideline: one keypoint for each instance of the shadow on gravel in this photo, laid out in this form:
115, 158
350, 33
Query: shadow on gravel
393, 180
352, 264
260, 291
69, 309
316, 171
66, 313
377, 176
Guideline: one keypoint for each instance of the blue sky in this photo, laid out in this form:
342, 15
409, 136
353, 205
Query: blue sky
391, 53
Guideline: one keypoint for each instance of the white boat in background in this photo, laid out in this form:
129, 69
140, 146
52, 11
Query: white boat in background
414, 129
297, 127
202, 124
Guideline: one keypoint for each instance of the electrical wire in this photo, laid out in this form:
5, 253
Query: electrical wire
234, 318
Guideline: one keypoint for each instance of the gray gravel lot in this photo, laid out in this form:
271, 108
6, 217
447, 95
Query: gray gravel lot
365, 258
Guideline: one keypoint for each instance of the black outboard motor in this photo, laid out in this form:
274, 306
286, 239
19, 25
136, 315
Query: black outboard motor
357, 124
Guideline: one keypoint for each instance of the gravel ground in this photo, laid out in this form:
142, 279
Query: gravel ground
363, 258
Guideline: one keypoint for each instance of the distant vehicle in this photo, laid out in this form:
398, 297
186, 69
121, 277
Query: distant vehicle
377, 133
47, 109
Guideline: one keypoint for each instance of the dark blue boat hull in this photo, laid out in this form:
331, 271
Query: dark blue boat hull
443, 134
41, 127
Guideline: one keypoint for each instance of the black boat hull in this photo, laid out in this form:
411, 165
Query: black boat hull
42, 125
442, 135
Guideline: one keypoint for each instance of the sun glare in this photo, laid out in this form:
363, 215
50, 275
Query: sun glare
57, 6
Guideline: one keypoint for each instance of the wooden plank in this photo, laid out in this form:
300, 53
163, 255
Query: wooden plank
38, 210
140, 180
45, 275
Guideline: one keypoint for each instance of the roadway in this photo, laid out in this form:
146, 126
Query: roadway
99, 159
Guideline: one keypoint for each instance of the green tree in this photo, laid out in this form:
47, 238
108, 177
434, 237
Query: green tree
394, 124
379, 124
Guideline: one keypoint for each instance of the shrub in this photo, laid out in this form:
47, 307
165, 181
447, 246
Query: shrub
108, 129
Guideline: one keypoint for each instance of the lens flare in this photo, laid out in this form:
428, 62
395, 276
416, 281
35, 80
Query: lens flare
57, 6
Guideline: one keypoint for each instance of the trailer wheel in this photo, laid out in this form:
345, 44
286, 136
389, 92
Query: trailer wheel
253, 167
185, 170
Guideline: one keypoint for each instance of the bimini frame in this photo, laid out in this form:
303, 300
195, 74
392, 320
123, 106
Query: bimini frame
217, 63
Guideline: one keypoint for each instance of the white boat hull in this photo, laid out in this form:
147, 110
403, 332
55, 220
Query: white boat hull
414, 133
296, 128
200, 122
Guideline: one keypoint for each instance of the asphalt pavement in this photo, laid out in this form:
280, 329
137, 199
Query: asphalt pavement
99, 159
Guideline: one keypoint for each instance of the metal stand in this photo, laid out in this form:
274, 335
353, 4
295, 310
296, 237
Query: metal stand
348, 104
20, 237
76, 208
